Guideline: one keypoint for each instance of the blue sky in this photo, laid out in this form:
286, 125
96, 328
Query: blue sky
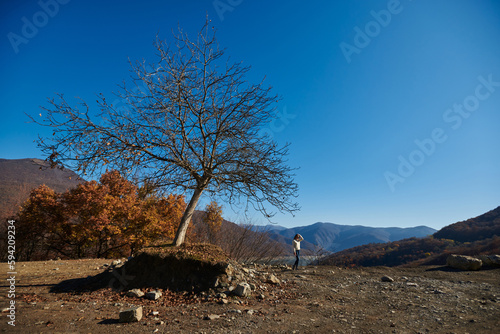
392, 108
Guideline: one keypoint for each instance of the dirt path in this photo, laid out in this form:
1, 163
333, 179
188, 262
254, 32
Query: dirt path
310, 300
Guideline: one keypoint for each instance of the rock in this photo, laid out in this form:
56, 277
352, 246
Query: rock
387, 279
273, 279
211, 317
229, 270
490, 260
116, 262
463, 262
242, 290
153, 295
135, 293
133, 314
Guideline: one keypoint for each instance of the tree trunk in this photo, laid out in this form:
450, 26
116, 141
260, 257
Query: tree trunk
186, 218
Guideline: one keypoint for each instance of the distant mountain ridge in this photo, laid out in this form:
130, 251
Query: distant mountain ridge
334, 237
474, 236
19, 176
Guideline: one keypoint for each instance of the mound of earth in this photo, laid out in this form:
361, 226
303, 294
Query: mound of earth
188, 268
194, 268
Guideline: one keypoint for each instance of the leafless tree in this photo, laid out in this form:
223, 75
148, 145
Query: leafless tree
190, 122
249, 244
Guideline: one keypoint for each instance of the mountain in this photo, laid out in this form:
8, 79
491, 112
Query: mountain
474, 229
333, 237
19, 176
475, 236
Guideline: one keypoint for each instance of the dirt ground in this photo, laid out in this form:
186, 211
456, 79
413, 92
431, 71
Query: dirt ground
309, 300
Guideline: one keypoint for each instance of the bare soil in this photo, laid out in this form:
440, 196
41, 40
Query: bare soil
309, 300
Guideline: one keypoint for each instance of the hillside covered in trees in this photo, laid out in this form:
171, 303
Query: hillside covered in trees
18, 177
479, 235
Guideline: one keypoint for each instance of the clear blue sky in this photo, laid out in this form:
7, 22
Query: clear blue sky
392, 108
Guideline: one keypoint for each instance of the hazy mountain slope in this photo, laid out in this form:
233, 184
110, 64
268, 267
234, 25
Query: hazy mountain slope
19, 176
334, 237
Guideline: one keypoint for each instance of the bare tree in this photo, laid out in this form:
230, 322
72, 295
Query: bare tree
191, 123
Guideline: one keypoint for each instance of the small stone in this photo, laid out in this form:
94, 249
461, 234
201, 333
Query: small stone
229, 270
116, 262
250, 312
211, 317
133, 314
387, 279
135, 293
273, 279
242, 290
153, 295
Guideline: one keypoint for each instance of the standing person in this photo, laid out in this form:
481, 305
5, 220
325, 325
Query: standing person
296, 249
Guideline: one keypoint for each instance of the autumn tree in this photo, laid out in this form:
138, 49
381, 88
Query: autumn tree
37, 219
190, 122
109, 218
212, 219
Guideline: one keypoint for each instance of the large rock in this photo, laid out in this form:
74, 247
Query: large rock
133, 314
463, 262
490, 260
243, 290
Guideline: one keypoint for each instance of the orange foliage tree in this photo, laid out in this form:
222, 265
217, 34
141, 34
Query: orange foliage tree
109, 218
213, 220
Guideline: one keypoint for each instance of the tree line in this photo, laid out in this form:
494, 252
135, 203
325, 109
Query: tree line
109, 218
113, 218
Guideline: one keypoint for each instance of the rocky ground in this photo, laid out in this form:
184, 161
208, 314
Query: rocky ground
309, 300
